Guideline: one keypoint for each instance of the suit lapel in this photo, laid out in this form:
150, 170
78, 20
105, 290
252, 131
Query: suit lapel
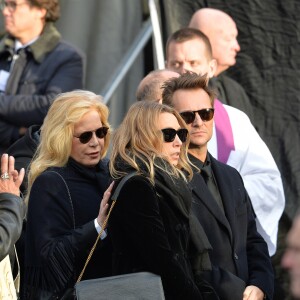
201, 193
226, 194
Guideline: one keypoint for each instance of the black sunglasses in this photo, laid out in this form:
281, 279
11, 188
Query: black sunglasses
205, 114
86, 136
170, 133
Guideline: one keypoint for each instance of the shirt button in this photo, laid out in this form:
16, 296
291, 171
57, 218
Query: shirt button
236, 256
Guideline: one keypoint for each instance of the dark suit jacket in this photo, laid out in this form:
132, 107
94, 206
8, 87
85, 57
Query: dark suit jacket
237, 246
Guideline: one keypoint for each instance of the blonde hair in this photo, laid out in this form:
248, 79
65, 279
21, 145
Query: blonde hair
139, 141
58, 129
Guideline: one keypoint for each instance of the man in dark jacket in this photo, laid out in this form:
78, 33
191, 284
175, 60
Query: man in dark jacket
12, 209
35, 66
220, 200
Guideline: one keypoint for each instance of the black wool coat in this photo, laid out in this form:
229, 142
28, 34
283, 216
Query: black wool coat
237, 246
60, 229
149, 229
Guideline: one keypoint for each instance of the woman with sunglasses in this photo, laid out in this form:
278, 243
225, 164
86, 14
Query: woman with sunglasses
67, 180
149, 225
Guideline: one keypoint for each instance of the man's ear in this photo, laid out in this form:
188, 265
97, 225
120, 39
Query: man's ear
212, 68
42, 13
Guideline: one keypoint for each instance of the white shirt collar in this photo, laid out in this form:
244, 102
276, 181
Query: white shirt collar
19, 45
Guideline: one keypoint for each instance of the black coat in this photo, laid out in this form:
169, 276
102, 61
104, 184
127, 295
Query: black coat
237, 246
149, 228
52, 67
60, 231
23, 150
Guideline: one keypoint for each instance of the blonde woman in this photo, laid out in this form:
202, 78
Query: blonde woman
149, 226
67, 179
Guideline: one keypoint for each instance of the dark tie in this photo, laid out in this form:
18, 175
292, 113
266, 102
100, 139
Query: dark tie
16, 72
208, 178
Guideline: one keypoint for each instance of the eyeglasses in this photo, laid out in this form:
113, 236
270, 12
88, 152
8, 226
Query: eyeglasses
86, 136
11, 5
205, 114
170, 133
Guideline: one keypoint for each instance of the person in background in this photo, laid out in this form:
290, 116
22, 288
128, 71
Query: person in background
35, 65
12, 213
150, 87
12, 208
222, 33
150, 224
235, 140
67, 179
222, 205
23, 151
291, 257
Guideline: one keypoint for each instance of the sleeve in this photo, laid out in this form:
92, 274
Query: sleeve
259, 262
138, 211
12, 212
25, 110
262, 180
53, 245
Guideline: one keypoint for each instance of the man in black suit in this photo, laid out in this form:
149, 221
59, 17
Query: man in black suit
222, 204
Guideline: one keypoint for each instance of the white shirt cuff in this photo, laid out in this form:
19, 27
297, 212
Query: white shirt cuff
98, 228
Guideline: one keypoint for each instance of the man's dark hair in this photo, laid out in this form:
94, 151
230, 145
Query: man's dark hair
187, 34
186, 81
52, 7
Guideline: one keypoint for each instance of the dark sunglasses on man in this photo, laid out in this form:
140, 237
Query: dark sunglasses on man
205, 114
86, 136
170, 134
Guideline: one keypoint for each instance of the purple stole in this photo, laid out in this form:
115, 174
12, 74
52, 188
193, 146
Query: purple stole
224, 132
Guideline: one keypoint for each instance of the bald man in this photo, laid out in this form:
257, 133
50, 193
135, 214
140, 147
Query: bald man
150, 88
222, 32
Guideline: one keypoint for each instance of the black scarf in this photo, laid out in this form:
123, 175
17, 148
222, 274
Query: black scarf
98, 174
178, 190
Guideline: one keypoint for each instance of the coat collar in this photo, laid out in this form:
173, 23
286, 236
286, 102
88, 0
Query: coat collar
174, 189
48, 40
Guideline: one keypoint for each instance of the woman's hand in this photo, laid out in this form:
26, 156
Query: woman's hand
104, 206
11, 179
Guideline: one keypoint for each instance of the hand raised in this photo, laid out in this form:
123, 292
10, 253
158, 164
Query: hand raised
104, 206
11, 179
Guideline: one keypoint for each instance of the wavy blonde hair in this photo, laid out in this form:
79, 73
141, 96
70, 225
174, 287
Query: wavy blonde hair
58, 129
138, 141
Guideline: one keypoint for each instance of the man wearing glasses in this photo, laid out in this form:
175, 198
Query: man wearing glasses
35, 65
220, 200
235, 140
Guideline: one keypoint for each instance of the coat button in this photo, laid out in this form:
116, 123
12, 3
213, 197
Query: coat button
236, 256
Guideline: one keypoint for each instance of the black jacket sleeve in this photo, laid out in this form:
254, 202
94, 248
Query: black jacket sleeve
12, 212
